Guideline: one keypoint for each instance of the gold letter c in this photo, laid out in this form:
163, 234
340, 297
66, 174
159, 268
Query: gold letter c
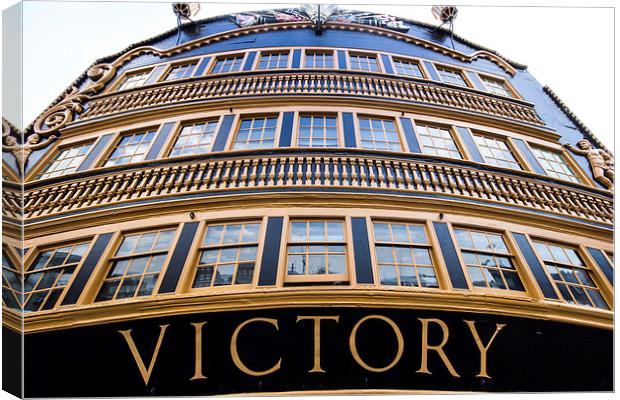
235, 354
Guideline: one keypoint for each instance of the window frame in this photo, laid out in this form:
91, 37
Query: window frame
404, 147
296, 126
118, 136
236, 125
33, 254
285, 280
191, 266
419, 63
16, 268
115, 87
507, 85
177, 63
580, 175
105, 264
262, 52
460, 71
377, 57
216, 58
48, 157
511, 147
432, 248
306, 50
178, 128
529, 291
594, 274
456, 138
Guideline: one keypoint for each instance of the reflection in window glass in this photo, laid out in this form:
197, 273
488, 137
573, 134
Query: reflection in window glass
180, 72
408, 68
554, 164
317, 131
570, 275
136, 266
404, 255
362, 62
227, 255
451, 76
379, 134
131, 148
496, 86
49, 274
66, 161
318, 59
496, 152
277, 60
437, 141
488, 260
195, 139
11, 283
227, 64
133, 80
316, 248
256, 133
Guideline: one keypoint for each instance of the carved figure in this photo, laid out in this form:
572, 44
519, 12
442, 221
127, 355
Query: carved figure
601, 163
22, 152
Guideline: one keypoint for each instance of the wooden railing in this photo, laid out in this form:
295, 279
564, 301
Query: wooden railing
305, 84
282, 172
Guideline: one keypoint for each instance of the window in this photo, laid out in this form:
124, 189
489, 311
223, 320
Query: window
554, 164
317, 131
316, 251
227, 255
403, 255
408, 68
49, 274
135, 79
496, 152
227, 64
488, 260
180, 71
66, 161
131, 148
277, 60
361, 62
452, 76
255, 133
135, 267
496, 86
319, 59
379, 134
437, 141
11, 283
194, 139
570, 275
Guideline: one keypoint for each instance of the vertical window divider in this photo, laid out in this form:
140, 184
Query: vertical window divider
100, 271
440, 265
520, 158
185, 280
600, 280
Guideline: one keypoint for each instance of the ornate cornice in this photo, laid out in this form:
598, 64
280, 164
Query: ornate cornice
571, 115
71, 104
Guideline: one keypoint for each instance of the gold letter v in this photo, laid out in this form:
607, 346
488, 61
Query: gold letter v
146, 373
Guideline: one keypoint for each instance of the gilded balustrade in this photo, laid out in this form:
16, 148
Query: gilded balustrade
319, 171
310, 84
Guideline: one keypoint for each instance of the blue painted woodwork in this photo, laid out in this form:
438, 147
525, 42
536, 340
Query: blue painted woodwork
450, 257
160, 140
473, 78
412, 140
249, 61
296, 58
526, 152
535, 266
387, 63
286, 130
201, 70
222, 134
271, 252
603, 264
349, 129
361, 251
180, 253
156, 74
471, 145
99, 147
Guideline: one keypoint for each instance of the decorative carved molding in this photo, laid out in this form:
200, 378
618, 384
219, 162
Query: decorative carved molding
72, 103
11, 138
286, 83
318, 16
363, 173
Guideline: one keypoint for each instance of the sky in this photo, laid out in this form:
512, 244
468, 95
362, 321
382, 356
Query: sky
571, 49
